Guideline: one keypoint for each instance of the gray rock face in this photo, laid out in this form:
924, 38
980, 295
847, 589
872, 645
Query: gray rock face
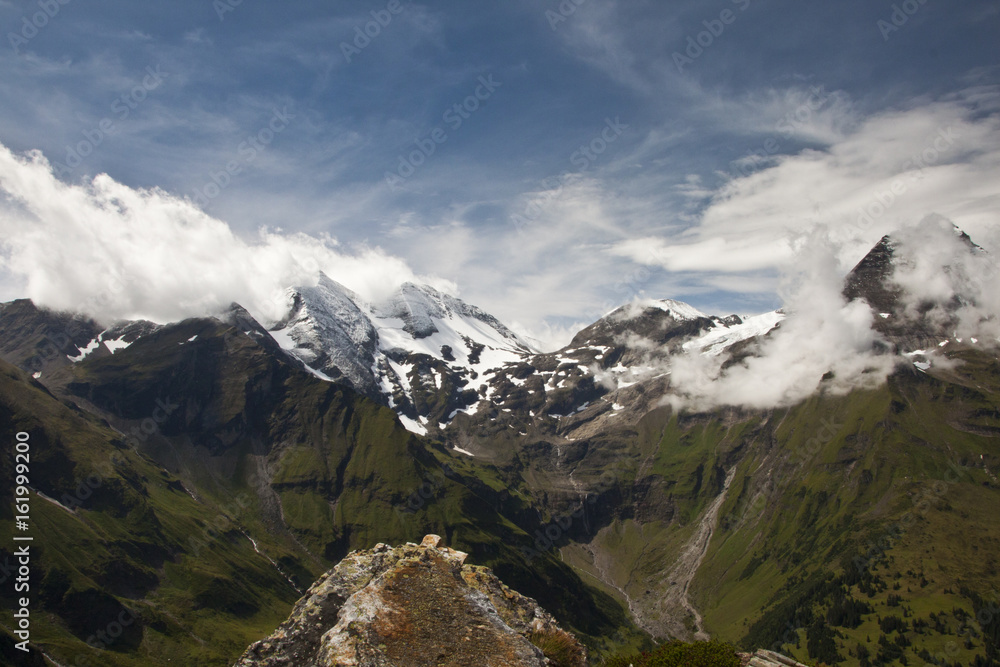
412, 605
332, 334
419, 305
764, 658
417, 352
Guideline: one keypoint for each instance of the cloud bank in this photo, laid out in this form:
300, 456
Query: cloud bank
826, 344
884, 172
949, 284
114, 252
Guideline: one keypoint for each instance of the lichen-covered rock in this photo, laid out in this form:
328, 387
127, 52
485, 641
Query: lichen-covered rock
412, 605
765, 658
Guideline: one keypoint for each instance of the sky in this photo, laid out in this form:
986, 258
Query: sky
544, 160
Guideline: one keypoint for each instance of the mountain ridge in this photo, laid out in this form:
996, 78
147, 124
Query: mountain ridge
571, 477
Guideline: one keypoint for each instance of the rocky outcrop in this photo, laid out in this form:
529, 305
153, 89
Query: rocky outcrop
764, 658
413, 605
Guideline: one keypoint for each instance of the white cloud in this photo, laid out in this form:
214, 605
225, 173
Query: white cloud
945, 281
115, 252
888, 171
823, 344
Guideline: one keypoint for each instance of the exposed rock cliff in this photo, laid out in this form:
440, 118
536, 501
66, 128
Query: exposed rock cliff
412, 605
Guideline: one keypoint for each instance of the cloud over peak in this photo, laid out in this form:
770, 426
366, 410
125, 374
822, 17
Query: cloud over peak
114, 252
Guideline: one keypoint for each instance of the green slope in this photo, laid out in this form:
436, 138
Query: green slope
213, 440
842, 511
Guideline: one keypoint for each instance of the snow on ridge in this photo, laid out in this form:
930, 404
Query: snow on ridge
116, 344
330, 323
717, 339
679, 310
330, 326
113, 345
85, 351
412, 425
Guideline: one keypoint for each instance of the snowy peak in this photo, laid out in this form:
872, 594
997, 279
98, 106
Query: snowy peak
419, 351
425, 311
432, 357
613, 371
926, 284
731, 330
676, 310
329, 332
417, 308
659, 321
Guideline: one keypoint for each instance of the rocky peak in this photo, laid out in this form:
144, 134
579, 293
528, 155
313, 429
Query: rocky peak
869, 279
412, 605
658, 320
422, 308
327, 330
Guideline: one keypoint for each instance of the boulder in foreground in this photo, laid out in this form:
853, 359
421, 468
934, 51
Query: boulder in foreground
411, 606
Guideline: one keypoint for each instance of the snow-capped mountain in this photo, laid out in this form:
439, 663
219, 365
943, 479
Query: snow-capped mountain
618, 366
422, 352
431, 356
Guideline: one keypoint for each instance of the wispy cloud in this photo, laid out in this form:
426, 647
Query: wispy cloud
892, 169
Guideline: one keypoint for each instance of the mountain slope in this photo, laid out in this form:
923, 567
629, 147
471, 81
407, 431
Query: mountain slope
282, 469
801, 529
420, 352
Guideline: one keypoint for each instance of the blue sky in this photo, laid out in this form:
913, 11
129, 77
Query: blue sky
264, 100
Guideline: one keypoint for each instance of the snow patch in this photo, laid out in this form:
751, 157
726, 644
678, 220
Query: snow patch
115, 345
91, 346
412, 426
716, 340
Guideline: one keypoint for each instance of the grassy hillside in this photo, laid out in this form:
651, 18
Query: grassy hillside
842, 514
880, 504
227, 481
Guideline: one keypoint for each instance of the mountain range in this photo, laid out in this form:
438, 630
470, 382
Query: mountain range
195, 477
